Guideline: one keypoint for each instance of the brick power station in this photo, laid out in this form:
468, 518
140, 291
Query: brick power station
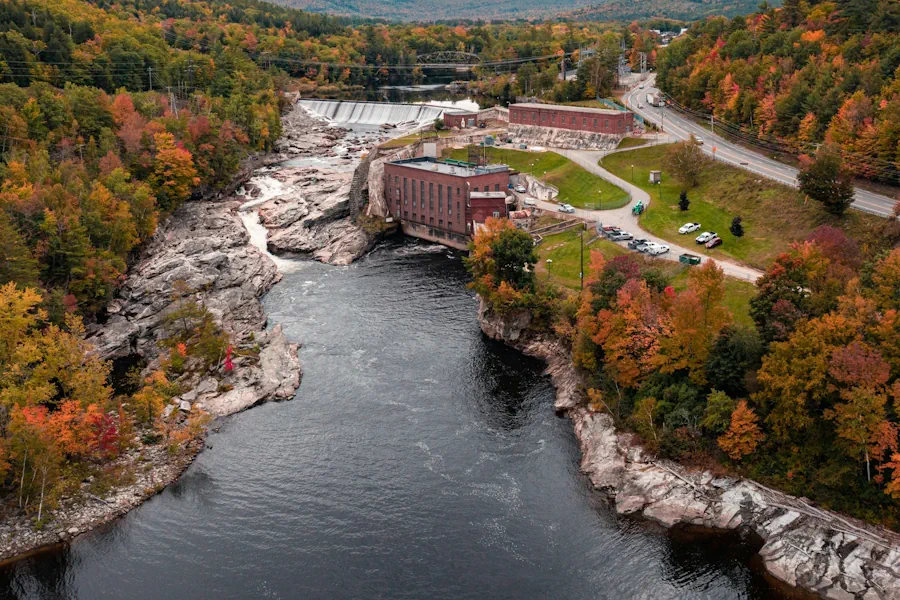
444, 200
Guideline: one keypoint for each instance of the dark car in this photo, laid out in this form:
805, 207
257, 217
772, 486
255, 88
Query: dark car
482, 125
714, 242
633, 244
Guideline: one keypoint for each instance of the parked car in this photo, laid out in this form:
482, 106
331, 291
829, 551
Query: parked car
714, 242
689, 228
621, 236
521, 189
641, 86
633, 244
645, 247
705, 237
566, 208
657, 249
640, 105
530, 202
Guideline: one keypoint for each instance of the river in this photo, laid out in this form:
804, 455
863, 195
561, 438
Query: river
418, 460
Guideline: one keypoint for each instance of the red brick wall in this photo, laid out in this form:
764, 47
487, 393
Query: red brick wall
459, 120
435, 211
482, 208
555, 116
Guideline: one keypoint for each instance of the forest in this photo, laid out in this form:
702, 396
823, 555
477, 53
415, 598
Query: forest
807, 399
796, 77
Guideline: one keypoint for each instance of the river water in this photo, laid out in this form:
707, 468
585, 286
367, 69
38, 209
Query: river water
418, 460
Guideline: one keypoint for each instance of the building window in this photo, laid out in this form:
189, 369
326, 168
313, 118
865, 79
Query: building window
496, 214
405, 214
605, 124
584, 121
475, 189
422, 193
553, 118
430, 196
573, 120
449, 200
414, 216
543, 117
515, 115
457, 205
449, 225
414, 193
431, 220
496, 187
440, 198
534, 116
595, 123
440, 222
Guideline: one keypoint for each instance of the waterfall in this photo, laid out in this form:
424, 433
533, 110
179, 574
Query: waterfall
370, 115
269, 188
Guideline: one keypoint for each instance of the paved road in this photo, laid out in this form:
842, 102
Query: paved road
622, 217
682, 128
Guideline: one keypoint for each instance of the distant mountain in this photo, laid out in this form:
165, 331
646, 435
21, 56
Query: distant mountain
685, 10
431, 10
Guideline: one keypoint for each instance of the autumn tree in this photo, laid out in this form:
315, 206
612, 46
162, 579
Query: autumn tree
743, 435
826, 180
686, 162
173, 172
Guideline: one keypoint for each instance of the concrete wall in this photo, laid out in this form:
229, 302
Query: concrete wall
563, 138
454, 240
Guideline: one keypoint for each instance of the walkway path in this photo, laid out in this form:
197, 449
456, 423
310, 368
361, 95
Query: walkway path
622, 217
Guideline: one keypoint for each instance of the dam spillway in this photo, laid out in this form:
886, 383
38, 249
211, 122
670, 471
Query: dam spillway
372, 115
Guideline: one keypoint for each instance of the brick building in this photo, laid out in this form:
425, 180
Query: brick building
575, 118
434, 199
460, 119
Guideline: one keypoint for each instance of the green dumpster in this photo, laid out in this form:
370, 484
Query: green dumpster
689, 259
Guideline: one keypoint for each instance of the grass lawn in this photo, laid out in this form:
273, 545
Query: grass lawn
564, 249
632, 142
406, 140
773, 215
576, 186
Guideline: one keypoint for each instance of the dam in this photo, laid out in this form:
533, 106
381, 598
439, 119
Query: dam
368, 116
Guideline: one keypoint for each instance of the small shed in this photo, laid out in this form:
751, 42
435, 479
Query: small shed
460, 119
655, 176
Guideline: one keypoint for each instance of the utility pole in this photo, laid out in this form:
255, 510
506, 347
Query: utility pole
582, 255
712, 124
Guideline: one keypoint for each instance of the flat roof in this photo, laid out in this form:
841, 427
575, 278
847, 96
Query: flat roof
568, 107
449, 167
488, 195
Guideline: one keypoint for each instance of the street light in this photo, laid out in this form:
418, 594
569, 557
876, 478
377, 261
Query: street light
601, 199
632, 173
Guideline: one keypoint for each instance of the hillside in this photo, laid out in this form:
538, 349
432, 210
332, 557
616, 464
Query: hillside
582, 10
795, 78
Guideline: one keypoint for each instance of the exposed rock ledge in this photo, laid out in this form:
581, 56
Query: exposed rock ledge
804, 546
311, 216
207, 246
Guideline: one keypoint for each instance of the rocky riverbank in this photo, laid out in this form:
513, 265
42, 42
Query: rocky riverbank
306, 204
804, 546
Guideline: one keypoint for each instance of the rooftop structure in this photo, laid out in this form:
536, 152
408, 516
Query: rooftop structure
566, 108
450, 167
